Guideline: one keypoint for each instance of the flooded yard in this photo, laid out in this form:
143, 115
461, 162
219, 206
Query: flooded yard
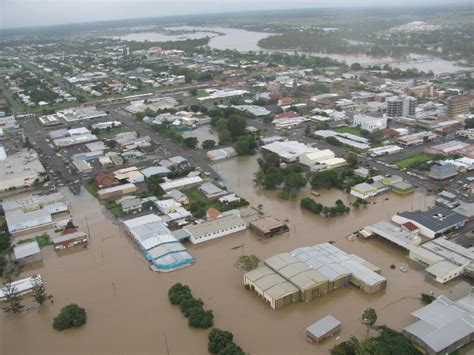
127, 304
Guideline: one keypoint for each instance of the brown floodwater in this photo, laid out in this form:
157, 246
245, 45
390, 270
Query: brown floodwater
127, 306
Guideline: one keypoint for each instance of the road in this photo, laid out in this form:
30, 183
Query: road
196, 158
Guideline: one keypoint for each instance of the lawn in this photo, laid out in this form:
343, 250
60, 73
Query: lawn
43, 240
414, 160
198, 203
351, 130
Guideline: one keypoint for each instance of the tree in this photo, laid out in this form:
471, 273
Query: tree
199, 318
70, 316
12, 299
218, 340
427, 298
153, 183
178, 292
140, 115
348, 347
208, 144
190, 142
193, 92
356, 66
247, 262
231, 349
245, 145
369, 317
236, 126
111, 143
352, 160
39, 292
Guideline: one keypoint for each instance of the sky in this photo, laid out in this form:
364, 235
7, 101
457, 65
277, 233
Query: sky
27, 13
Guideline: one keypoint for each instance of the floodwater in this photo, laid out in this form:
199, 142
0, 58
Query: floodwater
129, 312
202, 133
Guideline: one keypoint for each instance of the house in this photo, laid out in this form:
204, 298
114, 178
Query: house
362, 172
27, 253
178, 196
211, 191
432, 223
105, 180
155, 170
116, 191
131, 205
212, 213
220, 154
167, 206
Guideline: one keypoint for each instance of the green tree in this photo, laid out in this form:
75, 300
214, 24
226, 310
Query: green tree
178, 292
272, 179
39, 291
218, 340
245, 145
224, 136
352, 160
356, 66
231, 349
208, 144
153, 184
369, 317
200, 318
191, 142
12, 299
348, 347
70, 316
247, 262
236, 126
140, 115
427, 298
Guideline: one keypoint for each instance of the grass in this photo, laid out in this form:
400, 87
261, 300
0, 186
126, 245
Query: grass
91, 187
350, 130
199, 204
115, 209
414, 160
43, 240
112, 132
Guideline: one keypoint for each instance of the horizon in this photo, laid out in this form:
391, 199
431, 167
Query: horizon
9, 21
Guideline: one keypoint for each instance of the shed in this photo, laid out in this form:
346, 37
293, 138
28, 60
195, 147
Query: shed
323, 328
27, 253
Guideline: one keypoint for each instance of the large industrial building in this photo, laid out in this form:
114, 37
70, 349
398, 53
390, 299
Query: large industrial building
21, 169
289, 151
432, 223
310, 272
160, 247
215, 228
444, 325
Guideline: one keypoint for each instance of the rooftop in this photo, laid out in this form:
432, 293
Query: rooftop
436, 219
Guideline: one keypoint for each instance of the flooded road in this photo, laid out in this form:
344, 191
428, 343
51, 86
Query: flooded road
127, 305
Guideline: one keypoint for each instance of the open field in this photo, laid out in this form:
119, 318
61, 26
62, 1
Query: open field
416, 159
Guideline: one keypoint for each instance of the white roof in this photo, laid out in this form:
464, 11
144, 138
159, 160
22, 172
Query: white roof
27, 249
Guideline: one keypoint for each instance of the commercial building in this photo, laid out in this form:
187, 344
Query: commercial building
385, 150
442, 171
183, 183
451, 147
289, 151
402, 187
416, 138
444, 260
163, 251
116, 191
215, 228
268, 226
27, 253
72, 115
447, 199
401, 106
321, 160
443, 326
351, 140
458, 105
432, 223
399, 236
20, 287
70, 239
364, 190
310, 272
323, 328
370, 123
21, 169
33, 212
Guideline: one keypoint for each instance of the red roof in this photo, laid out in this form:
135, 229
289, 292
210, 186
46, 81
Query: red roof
287, 114
410, 226
105, 179
285, 101
212, 213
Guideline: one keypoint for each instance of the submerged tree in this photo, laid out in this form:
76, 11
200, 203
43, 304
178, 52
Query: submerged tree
39, 291
12, 299
247, 262
369, 317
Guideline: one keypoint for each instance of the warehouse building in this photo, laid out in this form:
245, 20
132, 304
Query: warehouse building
268, 226
432, 223
69, 240
315, 271
321, 160
116, 191
27, 253
323, 328
220, 154
159, 246
21, 169
215, 228
183, 183
271, 287
443, 326
393, 234
211, 191
289, 151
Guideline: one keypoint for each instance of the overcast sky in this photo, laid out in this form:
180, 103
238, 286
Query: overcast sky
25, 13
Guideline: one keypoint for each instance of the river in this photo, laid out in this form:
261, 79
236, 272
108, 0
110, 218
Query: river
243, 40
127, 306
